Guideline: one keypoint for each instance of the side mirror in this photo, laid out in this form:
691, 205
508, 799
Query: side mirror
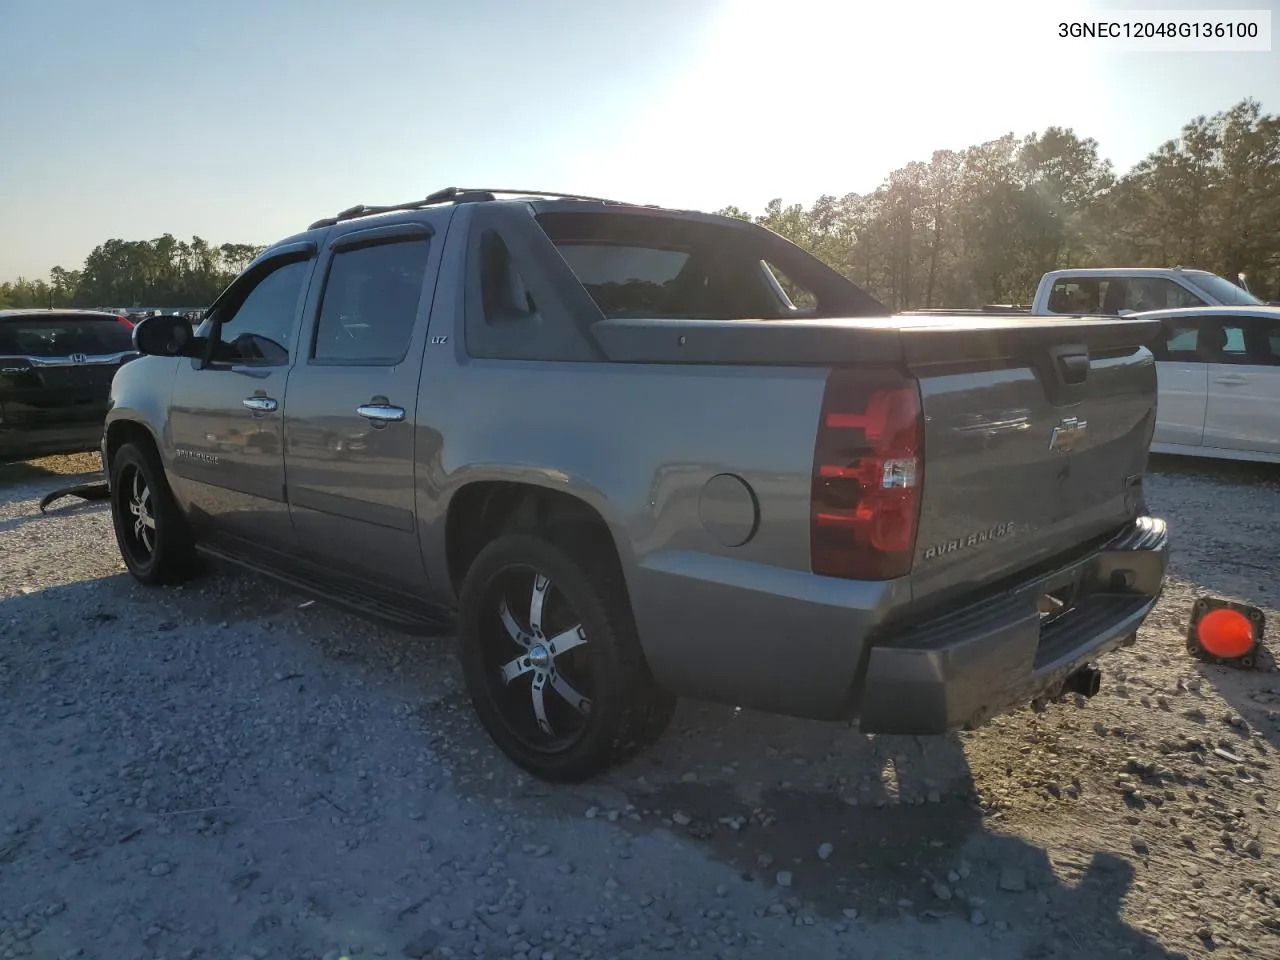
164, 336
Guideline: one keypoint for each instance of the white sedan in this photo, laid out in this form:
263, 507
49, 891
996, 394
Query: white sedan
1219, 380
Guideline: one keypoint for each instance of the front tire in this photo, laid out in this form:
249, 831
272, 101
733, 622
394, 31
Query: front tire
551, 658
153, 536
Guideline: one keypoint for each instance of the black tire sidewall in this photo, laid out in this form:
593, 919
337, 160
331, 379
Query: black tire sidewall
170, 559
605, 629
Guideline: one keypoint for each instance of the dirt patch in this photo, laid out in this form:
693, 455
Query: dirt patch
50, 469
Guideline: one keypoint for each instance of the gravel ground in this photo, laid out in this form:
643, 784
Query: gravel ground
225, 770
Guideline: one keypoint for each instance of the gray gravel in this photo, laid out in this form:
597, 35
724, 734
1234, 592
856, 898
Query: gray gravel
226, 770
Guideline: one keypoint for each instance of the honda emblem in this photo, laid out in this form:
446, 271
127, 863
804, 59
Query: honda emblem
79, 358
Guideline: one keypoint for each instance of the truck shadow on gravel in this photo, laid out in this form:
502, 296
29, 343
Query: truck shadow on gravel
878, 829
831, 824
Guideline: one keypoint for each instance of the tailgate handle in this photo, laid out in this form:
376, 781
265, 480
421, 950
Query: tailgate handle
1072, 364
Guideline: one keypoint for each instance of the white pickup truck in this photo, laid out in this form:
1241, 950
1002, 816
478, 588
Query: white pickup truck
1112, 290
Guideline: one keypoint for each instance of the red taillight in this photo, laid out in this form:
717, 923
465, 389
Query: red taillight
126, 321
867, 473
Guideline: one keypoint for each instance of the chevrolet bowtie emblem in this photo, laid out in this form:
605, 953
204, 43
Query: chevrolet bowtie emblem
1067, 434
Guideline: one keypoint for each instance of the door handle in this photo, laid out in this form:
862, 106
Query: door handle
381, 412
1231, 380
261, 404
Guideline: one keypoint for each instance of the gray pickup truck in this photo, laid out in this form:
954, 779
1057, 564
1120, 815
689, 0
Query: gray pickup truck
626, 454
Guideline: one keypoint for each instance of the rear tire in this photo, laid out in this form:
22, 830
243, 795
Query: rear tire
154, 538
551, 658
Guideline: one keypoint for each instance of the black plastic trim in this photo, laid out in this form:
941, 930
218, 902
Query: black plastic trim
561, 327
390, 233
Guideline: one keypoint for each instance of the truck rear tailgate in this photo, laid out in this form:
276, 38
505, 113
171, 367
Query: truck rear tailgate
1036, 435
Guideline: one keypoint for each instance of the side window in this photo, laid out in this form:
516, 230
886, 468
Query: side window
1157, 293
262, 326
1251, 341
1235, 343
370, 303
1179, 341
1077, 295
1220, 341
1086, 295
1179, 297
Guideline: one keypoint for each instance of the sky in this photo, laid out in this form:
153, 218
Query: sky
244, 120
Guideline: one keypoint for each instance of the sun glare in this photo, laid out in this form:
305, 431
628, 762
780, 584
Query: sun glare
815, 96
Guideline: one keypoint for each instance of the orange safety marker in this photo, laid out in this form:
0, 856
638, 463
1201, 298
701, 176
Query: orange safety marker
1226, 632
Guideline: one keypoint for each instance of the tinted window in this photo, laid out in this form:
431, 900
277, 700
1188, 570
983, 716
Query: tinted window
55, 336
1235, 341
370, 302
1180, 338
1102, 295
1156, 293
657, 266
1221, 340
267, 313
1251, 341
624, 280
1078, 295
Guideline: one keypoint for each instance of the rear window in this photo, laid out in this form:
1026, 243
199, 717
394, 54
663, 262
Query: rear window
54, 336
626, 280
1076, 296
655, 267
1103, 295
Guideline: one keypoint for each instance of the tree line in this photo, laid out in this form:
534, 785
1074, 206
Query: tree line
964, 228
164, 272
981, 225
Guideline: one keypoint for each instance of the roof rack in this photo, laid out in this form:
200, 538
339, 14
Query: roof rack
452, 195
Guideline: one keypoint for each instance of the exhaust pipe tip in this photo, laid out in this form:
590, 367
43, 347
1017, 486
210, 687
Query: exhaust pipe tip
1086, 681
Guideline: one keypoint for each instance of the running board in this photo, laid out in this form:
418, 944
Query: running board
425, 620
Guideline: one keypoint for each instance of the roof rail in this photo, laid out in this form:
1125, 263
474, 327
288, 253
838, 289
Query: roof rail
452, 195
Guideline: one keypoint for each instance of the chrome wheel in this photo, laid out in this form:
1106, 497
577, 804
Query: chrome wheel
535, 651
152, 534
139, 520
550, 655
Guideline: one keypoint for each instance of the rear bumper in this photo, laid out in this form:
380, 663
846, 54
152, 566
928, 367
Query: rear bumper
25, 443
959, 670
